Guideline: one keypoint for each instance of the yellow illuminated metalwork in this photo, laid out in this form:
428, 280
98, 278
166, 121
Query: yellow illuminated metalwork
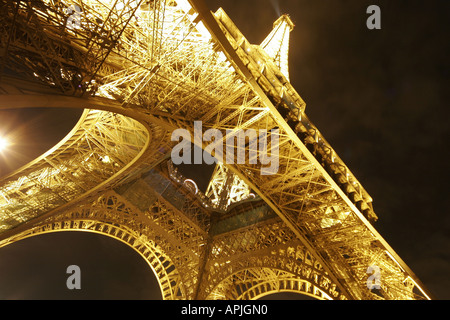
142, 69
276, 43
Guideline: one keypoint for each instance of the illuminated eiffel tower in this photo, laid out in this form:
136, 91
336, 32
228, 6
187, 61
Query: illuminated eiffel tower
142, 69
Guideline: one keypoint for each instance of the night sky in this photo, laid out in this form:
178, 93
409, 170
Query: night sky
377, 96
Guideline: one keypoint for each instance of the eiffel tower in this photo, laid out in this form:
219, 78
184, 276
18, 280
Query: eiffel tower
142, 69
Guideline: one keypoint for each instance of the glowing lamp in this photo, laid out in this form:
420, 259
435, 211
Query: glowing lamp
3, 144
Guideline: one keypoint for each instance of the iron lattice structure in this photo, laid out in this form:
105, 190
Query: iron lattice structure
142, 69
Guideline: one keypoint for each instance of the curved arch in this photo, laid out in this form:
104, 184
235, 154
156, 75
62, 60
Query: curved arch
34, 268
270, 246
101, 147
255, 283
162, 266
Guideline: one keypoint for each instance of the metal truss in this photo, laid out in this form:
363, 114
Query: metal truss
99, 147
144, 68
226, 188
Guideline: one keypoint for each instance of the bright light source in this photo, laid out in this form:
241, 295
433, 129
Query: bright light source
3, 144
106, 159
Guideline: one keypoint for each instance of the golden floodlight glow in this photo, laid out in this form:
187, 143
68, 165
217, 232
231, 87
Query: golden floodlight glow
3, 143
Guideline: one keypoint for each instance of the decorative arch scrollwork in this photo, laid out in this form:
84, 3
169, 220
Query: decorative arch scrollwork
255, 283
111, 216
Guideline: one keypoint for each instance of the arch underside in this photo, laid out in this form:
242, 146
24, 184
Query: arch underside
255, 283
247, 284
177, 266
110, 217
266, 258
97, 151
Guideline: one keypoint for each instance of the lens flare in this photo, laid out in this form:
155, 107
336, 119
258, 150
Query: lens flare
3, 144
